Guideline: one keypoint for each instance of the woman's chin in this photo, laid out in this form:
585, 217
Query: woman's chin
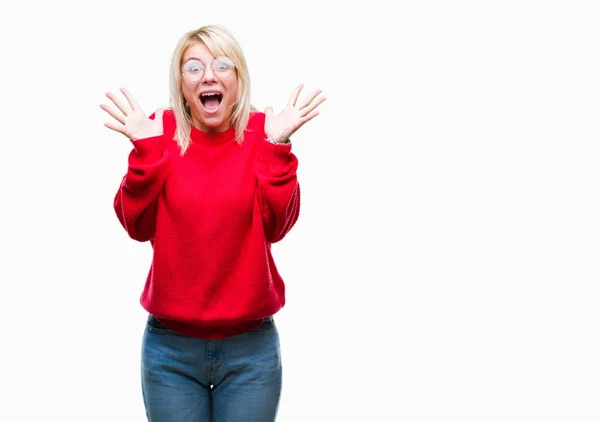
214, 123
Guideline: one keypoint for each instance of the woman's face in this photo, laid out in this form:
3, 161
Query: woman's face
210, 113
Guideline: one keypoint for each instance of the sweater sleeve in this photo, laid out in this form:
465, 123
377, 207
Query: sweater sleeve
136, 200
278, 189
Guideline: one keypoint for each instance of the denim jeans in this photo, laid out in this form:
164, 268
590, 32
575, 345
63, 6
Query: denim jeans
187, 379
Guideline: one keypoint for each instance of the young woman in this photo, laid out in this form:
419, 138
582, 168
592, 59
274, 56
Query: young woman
211, 183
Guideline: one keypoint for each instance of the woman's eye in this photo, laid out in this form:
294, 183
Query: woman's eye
194, 67
223, 63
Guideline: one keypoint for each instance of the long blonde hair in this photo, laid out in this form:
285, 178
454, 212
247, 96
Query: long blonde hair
218, 41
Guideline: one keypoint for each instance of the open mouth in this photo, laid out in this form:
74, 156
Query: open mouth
211, 100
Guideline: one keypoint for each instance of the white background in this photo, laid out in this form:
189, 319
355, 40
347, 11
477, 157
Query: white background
445, 264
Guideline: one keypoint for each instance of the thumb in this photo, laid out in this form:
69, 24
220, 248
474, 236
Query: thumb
158, 115
268, 112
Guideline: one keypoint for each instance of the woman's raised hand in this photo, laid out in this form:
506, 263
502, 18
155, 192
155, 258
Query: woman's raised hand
279, 127
132, 121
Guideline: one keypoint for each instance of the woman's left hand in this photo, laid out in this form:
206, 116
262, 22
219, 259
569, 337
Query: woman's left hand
279, 127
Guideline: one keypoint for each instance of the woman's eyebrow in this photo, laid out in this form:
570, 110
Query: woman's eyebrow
194, 58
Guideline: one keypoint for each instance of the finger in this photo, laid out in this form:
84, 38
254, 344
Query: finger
132, 102
116, 128
309, 117
309, 99
294, 97
310, 108
116, 101
113, 113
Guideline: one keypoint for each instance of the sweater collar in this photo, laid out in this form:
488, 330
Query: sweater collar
212, 138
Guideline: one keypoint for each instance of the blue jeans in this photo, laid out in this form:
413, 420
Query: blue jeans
187, 379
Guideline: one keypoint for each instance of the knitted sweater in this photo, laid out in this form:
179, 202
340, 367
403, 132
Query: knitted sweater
211, 217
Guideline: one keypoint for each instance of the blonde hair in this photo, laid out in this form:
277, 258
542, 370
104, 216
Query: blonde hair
218, 41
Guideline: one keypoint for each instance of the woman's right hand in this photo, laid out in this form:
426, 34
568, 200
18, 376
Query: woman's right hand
132, 121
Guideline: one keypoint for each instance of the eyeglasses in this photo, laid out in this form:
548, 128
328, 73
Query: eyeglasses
193, 70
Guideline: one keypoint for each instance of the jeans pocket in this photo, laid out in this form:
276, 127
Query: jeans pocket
155, 326
268, 324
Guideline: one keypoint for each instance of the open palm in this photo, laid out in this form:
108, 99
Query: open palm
279, 127
132, 121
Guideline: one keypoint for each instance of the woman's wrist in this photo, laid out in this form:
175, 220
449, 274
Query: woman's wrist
280, 142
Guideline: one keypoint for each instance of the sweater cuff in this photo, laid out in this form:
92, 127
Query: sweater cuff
276, 150
148, 149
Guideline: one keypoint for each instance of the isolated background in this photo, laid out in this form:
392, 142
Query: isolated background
445, 264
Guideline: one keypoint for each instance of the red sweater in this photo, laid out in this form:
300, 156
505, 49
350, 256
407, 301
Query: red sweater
211, 217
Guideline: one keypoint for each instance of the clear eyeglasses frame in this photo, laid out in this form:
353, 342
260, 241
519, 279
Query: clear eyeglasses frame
193, 70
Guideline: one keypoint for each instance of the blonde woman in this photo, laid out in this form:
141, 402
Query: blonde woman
211, 183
